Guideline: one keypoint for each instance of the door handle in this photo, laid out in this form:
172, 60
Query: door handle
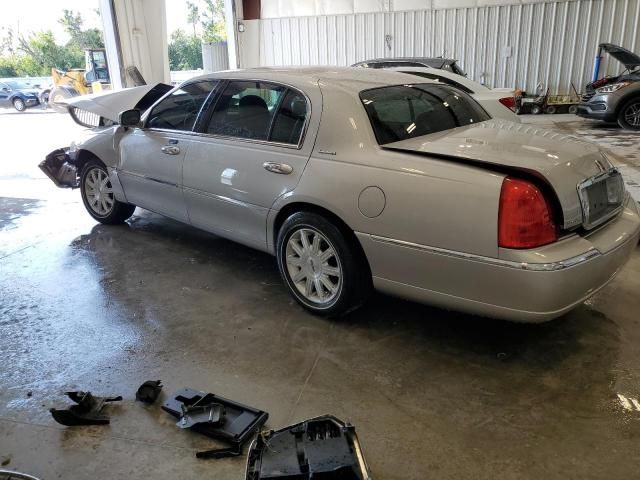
276, 167
170, 150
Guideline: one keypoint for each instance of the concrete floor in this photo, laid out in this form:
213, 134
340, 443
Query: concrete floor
433, 394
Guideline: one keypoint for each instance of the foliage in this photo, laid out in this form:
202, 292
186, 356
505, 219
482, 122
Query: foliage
213, 23
36, 54
185, 51
193, 15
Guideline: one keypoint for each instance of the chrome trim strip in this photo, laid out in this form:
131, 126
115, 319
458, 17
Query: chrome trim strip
222, 198
145, 177
535, 267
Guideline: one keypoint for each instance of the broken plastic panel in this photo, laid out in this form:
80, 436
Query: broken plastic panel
236, 424
148, 392
86, 412
323, 447
60, 169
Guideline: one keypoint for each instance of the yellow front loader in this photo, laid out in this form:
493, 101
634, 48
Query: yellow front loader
92, 79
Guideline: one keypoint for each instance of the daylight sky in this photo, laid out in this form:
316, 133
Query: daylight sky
26, 16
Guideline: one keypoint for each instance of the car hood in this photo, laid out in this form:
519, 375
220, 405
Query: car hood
629, 59
110, 104
560, 160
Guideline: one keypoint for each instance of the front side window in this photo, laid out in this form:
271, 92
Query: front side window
180, 109
259, 111
407, 111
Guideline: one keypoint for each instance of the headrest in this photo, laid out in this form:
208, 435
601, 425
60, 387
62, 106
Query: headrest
253, 101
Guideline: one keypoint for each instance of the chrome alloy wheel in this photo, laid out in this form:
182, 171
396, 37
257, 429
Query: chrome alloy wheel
313, 266
632, 114
98, 191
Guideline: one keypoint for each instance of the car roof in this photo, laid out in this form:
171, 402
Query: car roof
427, 60
349, 78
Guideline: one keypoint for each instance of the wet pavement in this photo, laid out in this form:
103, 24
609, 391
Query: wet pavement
433, 394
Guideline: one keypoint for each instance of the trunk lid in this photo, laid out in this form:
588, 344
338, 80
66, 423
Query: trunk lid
563, 162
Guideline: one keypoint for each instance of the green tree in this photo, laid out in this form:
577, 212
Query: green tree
193, 15
46, 53
80, 38
185, 51
213, 23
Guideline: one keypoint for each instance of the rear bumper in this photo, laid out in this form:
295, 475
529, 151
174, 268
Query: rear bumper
505, 289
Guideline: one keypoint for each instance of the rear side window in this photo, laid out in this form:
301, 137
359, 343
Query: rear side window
245, 109
288, 124
260, 111
407, 111
179, 110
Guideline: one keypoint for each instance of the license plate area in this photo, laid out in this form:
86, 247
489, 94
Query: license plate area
601, 198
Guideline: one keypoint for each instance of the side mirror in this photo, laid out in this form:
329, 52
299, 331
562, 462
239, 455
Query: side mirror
129, 118
6, 89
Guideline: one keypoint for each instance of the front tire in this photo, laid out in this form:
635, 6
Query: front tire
98, 198
629, 115
321, 268
19, 104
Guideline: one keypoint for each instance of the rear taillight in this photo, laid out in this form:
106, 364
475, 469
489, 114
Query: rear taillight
525, 218
509, 102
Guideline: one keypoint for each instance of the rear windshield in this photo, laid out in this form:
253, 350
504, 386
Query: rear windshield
406, 111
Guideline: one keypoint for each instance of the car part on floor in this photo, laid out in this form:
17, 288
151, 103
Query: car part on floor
211, 414
322, 447
237, 422
86, 412
149, 391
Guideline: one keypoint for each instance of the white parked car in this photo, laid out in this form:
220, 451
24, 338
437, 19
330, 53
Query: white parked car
498, 102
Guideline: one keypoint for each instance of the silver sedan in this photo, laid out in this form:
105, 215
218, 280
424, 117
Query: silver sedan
358, 179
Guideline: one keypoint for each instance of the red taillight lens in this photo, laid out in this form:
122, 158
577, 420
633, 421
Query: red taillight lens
509, 102
525, 218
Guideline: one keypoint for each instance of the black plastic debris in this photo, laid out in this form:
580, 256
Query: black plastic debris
212, 414
86, 412
149, 391
322, 447
216, 417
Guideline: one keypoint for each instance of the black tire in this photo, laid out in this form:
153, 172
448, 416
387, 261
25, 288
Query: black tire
354, 283
629, 115
19, 104
536, 109
573, 109
118, 211
550, 110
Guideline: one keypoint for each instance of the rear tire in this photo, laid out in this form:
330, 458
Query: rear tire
320, 266
573, 109
550, 110
629, 115
536, 109
98, 198
19, 104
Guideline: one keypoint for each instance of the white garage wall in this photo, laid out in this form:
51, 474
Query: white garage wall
519, 45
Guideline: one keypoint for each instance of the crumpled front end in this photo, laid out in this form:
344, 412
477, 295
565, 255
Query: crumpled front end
60, 167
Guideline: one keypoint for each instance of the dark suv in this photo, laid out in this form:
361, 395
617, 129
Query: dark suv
17, 95
616, 98
439, 63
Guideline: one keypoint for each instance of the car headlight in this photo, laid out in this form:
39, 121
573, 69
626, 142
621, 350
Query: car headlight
612, 88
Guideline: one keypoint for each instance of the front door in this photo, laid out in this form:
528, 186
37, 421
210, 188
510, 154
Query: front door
255, 143
151, 158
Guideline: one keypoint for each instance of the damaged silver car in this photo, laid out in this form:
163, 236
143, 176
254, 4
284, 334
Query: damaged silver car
365, 178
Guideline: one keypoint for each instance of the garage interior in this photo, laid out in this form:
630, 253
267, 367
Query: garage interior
432, 393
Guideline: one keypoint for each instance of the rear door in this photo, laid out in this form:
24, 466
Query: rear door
254, 145
152, 157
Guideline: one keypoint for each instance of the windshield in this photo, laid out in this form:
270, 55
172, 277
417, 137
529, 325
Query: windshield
406, 111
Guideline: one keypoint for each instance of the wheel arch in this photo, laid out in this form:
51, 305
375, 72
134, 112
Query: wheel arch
83, 156
634, 95
304, 206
